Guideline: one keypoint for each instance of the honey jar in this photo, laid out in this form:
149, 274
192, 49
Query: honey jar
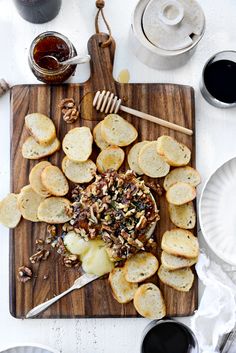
51, 44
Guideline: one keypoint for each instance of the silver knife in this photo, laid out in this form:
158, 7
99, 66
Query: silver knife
79, 283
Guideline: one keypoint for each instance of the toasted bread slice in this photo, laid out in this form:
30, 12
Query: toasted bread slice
28, 203
181, 279
117, 131
149, 302
175, 153
35, 178
79, 172
183, 216
110, 158
180, 193
97, 135
55, 210
9, 212
77, 144
140, 267
151, 163
172, 262
180, 242
31, 149
122, 290
41, 128
133, 157
54, 181
186, 174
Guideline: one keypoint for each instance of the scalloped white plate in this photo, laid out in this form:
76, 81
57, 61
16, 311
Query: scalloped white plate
29, 349
217, 214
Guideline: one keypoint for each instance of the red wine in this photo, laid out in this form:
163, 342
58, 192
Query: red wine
220, 80
38, 11
168, 337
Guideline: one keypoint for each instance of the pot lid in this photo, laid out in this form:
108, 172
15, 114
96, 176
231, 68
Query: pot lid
173, 24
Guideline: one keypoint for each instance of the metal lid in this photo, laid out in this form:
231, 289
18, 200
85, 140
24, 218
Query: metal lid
173, 24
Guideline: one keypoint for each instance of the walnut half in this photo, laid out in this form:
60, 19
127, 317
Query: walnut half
69, 110
24, 274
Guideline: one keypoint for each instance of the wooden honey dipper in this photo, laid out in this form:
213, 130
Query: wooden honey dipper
107, 102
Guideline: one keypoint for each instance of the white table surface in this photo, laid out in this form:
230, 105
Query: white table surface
215, 134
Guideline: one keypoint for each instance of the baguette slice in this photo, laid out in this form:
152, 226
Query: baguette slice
117, 131
54, 181
151, 163
97, 135
183, 216
181, 279
133, 157
28, 203
149, 302
31, 149
140, 267
171, 262
41, 128
79, 172
55, 210
110, 158
9, 212
186, 174
180, 242
180, 193
77, 144
122, 290
35, 179
175, 153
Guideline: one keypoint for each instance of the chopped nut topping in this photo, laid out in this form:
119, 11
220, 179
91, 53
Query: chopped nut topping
52, 232
155, 187
71, 261
69, 110
117, 208
39, 255
24, 274
67, 227
39, 241
69, 210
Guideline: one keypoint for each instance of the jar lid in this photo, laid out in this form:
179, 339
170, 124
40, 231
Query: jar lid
173, 24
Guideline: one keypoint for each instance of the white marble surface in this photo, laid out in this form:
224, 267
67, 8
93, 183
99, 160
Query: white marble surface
215, 133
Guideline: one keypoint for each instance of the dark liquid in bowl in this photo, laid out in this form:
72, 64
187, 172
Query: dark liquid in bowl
220, 80
168, 337
38, 11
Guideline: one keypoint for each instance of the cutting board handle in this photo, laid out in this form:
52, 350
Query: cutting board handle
101, 63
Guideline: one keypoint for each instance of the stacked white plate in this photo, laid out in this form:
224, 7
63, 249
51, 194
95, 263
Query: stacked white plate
218, 212
29, 349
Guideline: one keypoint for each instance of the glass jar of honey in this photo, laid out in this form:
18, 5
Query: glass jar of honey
55, 45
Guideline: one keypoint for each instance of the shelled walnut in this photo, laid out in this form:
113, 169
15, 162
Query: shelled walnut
71, 261
24, 274
70, 111
39, 255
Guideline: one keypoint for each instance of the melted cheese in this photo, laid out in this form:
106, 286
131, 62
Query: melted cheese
93, 254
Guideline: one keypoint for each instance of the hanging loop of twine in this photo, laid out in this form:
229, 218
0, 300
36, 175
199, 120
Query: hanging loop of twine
100, 4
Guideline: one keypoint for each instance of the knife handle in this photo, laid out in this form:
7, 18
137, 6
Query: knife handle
41, 307
79, 283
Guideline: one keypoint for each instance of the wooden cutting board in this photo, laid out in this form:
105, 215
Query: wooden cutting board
172, 102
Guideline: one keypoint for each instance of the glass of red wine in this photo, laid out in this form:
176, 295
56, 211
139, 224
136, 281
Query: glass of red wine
218, 83
38, 11
168, 336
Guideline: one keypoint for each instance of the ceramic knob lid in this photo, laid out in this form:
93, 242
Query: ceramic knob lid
173, 24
